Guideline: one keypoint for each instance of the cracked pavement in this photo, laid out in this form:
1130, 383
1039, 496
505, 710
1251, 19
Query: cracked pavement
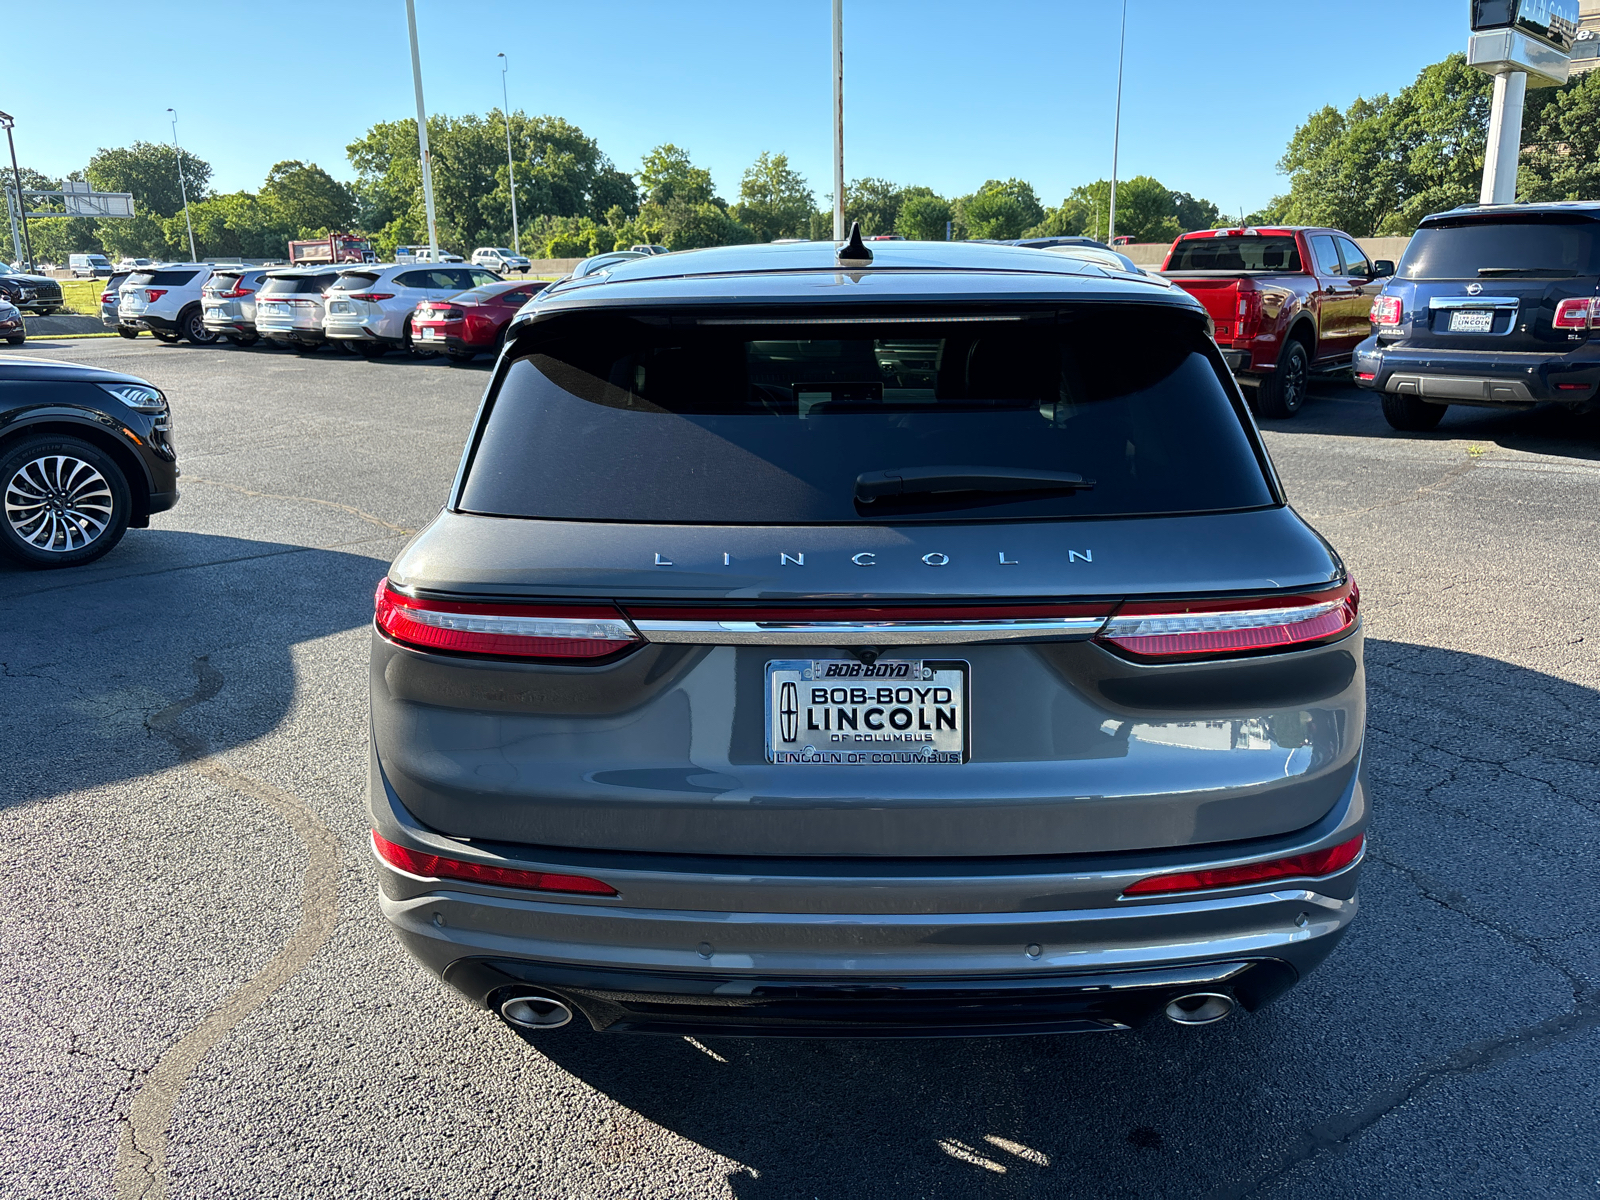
1450, 1048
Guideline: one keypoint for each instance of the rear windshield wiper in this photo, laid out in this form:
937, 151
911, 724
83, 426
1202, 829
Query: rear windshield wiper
905, 481
1557, 271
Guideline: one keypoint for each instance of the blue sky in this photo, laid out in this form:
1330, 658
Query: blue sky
936, 93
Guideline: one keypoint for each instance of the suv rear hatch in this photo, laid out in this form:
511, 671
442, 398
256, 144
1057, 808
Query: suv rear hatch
722, 585
1494, 282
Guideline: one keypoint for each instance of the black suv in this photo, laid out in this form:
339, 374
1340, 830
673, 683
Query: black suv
36, 294
1492, 305
84, 454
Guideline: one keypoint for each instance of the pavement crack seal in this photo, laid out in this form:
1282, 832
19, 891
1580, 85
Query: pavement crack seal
140, 1172
346, 508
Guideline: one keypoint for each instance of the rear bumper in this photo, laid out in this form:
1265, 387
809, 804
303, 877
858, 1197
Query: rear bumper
146, 321
616, 1001
1490, 380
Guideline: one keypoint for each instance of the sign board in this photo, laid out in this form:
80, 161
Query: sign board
1498, 51
1553, 22
78, 200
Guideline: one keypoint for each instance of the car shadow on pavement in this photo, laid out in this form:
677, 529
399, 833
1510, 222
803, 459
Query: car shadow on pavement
92, 653
1479, 872
1343, 410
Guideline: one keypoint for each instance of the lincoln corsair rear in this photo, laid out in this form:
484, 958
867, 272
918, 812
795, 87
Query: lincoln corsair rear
831, 641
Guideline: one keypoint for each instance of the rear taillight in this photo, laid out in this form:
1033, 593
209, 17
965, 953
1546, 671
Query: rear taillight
236, 292
370, 297
1387, 311
1249, 314
527, 631
433, 866
151, 295
1576, 312
1302, 866
1176, 630
108, 297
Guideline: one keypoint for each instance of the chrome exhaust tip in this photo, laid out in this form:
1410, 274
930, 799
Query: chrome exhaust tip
1199, 1008
536, 1012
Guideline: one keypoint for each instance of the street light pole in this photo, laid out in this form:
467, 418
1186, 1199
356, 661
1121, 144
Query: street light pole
1116, 130
26, 255
511, 169
838, 120
183, 188
422, 132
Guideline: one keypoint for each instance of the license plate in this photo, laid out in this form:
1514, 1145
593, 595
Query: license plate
429, 335
1472, 320
839, 712
339, 306
267, 309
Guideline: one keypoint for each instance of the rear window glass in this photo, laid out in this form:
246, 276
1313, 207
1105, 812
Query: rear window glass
504, 293
1503, 248
612, 419
304, 285
116, 281
161, 278
354, 281
1236, 254
222, 282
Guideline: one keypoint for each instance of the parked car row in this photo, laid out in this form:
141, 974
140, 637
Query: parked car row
370, 309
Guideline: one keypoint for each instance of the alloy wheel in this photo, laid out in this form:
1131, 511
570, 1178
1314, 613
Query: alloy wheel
58, 503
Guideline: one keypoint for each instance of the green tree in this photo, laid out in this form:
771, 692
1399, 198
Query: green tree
924, 219
308, 199
1561, 143
54, 238
150, 172
1194, 214
1146, 211
668, 175
774, 200
999, 209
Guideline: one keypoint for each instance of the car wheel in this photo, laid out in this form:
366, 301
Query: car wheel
16, 341
460, 356
127, 333
66, 502
193, 326
48, 312
309, 347
161, 335
1282, 394
371, 349
243, 339
1411, 414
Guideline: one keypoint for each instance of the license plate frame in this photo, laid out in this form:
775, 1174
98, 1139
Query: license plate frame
429, 334
936, 728
1471, 320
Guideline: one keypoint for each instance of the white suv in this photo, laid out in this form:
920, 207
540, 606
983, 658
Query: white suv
370, 307
500, 259
165, 299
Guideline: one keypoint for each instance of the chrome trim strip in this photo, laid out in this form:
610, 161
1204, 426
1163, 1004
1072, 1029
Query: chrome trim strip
1473, 302
868, 633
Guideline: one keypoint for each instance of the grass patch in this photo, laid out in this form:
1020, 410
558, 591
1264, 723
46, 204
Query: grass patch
82, 295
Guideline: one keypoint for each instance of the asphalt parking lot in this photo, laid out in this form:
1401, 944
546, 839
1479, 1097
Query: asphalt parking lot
204, 1002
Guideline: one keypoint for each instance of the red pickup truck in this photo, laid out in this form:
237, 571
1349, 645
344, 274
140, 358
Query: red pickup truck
1287, 302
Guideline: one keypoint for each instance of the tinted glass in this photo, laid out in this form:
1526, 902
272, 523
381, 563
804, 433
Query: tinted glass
477, 278
354, 281
116, 281
494, 293
1529, 248
1326, 255
1355, 262
604, 418
438, 279
221, 282
1236, 254
161, 278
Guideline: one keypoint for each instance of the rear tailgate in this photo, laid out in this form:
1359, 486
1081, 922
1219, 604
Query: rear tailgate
1218, 296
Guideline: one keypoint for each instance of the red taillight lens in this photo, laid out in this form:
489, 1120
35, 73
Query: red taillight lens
370, 297
237, 292
503, 630
151, 295
107, 297
1387, 311
1576, 312
432, 866
1249, 314
1166, 629
1312, 865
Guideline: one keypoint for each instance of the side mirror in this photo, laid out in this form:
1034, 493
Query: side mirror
1382, 268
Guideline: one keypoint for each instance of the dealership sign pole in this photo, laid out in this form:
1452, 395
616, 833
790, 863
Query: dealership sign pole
422, 133
838, 120
1523, 44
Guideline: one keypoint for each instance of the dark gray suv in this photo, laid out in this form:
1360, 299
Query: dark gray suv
823, 641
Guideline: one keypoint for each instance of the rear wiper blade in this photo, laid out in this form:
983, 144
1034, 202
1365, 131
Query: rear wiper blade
1523, 271
905, 481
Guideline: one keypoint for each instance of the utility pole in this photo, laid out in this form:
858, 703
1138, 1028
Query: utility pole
24, 250
838, 120
422, 132
1116, 129
183, 188
511, 169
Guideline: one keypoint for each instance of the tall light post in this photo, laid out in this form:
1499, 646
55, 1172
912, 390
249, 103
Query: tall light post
25, 250
422, 132
1116, 129
838, 120
183, 188
511, 168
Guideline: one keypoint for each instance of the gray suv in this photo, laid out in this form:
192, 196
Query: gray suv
829, 641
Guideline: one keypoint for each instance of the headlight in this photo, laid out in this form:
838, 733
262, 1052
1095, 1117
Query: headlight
140, 397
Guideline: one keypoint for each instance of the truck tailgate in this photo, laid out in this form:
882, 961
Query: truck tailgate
1219, 297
